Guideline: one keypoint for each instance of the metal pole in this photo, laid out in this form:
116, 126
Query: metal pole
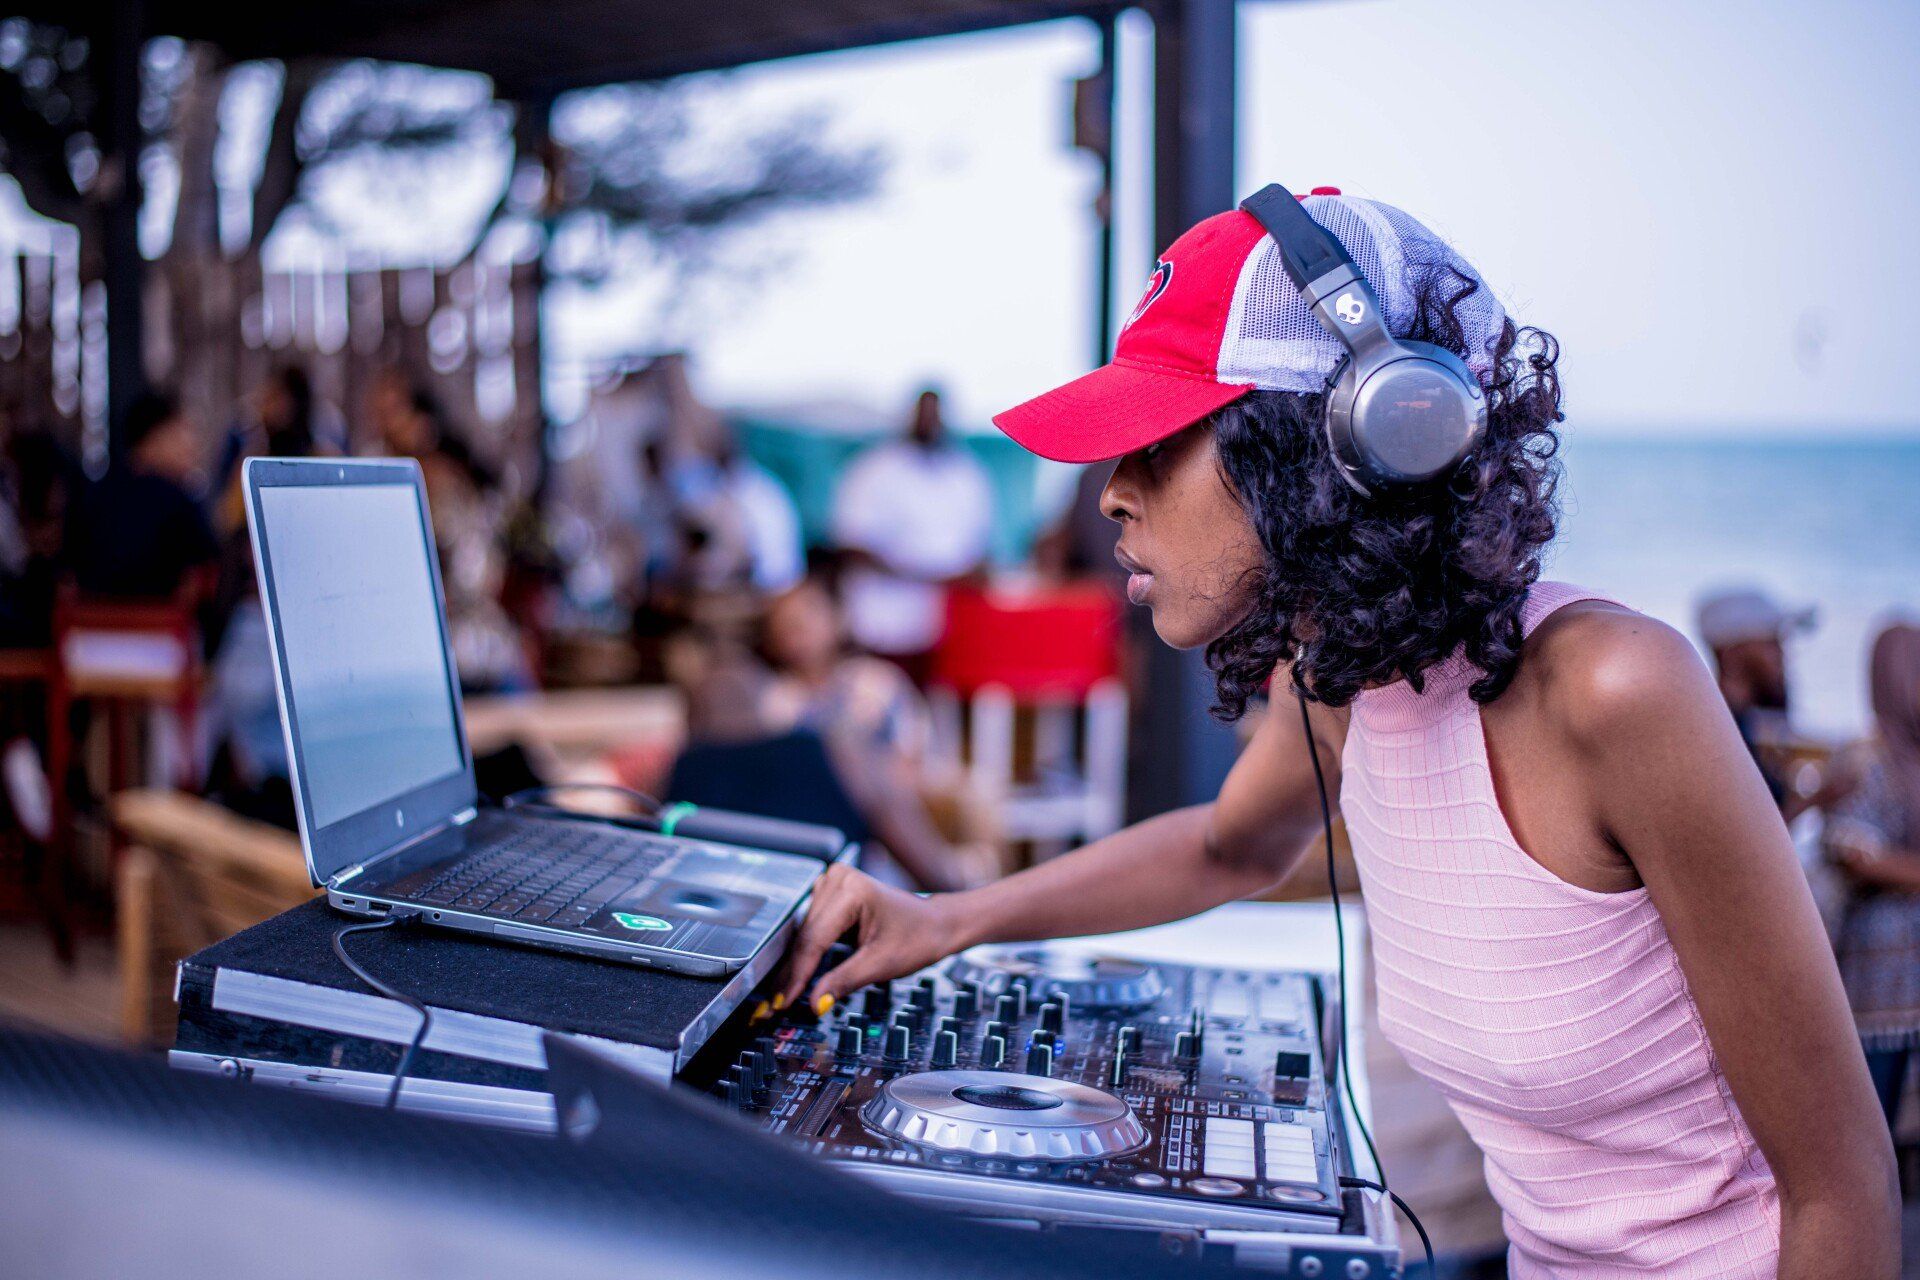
1103, 263
1185, 753
118, 51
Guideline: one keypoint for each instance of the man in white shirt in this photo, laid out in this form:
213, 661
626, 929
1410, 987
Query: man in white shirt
750, 529
916, 513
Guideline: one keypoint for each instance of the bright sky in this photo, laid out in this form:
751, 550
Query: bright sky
1712, 205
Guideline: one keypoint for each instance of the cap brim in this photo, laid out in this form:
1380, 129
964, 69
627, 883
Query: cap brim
1113, 411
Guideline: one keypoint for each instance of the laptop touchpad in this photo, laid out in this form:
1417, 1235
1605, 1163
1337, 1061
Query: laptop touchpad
689, 901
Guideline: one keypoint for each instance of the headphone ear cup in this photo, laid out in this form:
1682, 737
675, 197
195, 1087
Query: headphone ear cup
1406, 420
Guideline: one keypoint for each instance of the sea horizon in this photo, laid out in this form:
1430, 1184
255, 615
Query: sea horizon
1831, 522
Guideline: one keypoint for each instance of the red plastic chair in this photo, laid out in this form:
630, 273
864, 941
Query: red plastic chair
1053, 653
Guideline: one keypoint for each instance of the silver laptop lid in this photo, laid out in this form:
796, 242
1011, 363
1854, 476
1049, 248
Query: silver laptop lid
369, 697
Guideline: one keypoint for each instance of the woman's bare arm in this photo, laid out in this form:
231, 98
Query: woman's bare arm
1677, 793
1166, 868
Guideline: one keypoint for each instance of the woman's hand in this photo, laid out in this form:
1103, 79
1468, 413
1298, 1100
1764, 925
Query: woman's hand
896, 933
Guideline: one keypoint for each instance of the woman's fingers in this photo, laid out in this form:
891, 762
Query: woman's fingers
836, 904
867, 964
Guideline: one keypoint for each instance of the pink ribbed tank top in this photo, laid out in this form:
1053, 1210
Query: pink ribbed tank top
1555, 1020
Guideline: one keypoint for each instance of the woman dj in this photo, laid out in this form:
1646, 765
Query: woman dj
1590, 929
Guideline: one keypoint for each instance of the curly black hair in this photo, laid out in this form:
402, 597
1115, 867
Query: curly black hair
1359, 591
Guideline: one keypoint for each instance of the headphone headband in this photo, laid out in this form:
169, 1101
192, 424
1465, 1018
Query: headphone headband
1308, 250
1399, 413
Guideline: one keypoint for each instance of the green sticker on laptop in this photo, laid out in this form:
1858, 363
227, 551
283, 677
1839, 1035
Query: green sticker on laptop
627, 920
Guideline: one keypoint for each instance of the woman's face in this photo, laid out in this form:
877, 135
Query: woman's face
1184, 538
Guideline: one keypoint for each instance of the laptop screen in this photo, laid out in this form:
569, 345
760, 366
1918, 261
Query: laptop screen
365, 666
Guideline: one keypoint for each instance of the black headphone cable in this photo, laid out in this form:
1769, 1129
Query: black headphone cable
1340, 937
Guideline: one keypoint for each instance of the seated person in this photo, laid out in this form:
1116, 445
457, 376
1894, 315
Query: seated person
139, 532
822, 683
738, 757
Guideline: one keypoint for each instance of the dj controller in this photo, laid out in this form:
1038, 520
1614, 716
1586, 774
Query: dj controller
1051, 1087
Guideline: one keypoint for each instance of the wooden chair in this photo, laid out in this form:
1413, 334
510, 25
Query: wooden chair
191, 874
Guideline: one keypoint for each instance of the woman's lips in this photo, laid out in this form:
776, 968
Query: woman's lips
1139, 578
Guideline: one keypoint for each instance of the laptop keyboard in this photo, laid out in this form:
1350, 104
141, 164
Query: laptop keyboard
552, 875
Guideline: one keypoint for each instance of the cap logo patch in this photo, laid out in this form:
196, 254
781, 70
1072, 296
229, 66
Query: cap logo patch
1349, 308
1156, 285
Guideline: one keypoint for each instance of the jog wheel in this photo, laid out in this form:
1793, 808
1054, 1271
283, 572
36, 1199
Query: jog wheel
997, 1113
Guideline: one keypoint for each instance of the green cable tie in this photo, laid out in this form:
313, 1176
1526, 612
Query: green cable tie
674, 814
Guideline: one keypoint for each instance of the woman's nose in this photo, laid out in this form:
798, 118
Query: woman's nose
1120, 500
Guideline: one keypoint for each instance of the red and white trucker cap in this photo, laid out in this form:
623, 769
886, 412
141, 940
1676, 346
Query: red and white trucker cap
1220, 318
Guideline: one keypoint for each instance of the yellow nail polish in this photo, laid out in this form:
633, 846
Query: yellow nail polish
760, 1012
779, 1001
821, 1004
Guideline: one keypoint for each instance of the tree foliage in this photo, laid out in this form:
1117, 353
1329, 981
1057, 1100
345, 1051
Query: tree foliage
639, 168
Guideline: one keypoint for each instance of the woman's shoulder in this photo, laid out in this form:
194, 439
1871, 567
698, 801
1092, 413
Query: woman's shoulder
1594, 663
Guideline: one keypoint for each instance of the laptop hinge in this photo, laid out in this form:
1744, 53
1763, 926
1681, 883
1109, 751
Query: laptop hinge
459, 819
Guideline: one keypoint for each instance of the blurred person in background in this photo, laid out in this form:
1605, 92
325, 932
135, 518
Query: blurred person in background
750, 528
37, 482
1874, 835
240, 736
469, 517
1079, 544
282, 419
823, 683
1746, 632
651, 521
386, 410
745, 752
138, 532
913, 515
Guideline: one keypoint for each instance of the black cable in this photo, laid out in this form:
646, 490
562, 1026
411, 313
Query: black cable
520, 797
426, 1014
1412, 1217
1339, 932
1340, 936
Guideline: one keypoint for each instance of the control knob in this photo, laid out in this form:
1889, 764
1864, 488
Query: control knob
946, 1047
993, 1051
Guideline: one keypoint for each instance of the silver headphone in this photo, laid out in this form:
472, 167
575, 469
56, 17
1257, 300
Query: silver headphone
1399, 413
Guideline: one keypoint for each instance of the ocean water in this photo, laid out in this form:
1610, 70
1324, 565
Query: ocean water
1832, 524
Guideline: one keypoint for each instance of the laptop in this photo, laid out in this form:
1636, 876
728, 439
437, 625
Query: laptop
389, 817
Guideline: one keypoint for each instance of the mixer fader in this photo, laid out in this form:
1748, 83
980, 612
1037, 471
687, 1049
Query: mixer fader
1024, 1082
